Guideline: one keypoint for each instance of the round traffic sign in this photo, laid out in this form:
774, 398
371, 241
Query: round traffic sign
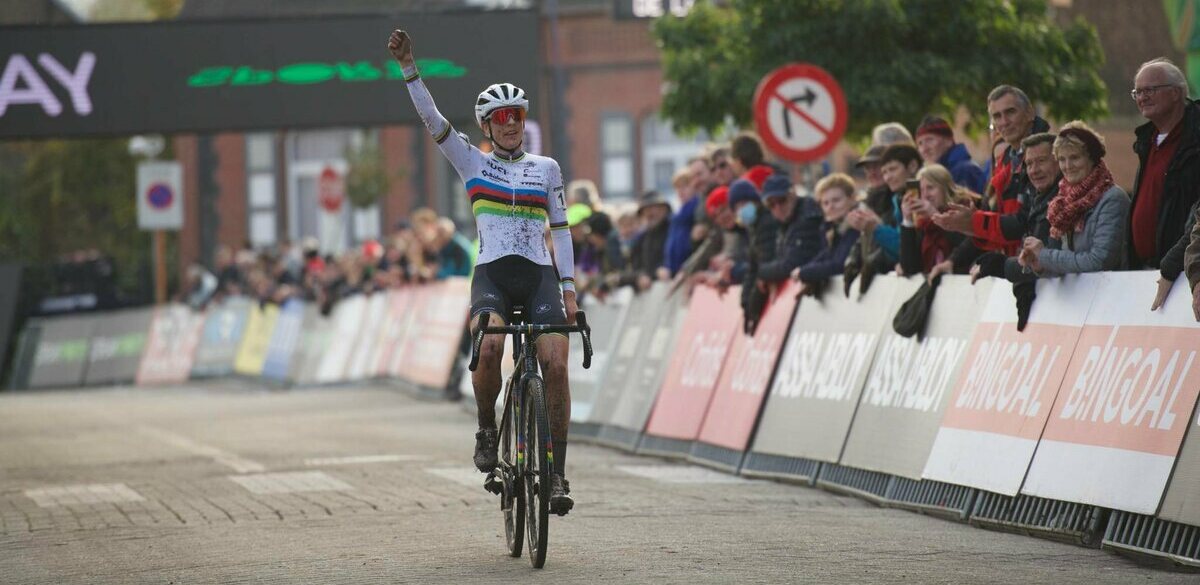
331, 190
160, 196
800, 112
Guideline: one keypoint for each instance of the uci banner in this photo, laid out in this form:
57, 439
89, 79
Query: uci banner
822, 370
171, 346
1007, 386
910, 382
1129, 392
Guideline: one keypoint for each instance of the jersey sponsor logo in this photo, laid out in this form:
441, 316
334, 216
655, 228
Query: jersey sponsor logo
543, 309
492, 176
529, 184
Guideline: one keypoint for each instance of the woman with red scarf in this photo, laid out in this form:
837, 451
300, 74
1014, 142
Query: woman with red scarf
1088, 218
923, 244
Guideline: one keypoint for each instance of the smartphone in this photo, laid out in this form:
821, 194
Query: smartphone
912, 185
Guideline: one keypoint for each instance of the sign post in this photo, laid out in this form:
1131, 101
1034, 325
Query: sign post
800, 112
160, 207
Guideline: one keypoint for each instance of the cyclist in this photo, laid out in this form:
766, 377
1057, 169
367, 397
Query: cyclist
513, 194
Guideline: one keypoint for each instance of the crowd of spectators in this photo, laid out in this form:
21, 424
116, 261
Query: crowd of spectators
422, 249
1042, 204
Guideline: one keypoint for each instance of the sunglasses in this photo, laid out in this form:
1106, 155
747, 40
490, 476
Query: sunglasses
506, 115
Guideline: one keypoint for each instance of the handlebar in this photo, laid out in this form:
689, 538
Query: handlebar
482, 328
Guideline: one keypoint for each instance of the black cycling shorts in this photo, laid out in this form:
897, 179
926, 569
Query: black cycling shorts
513, 280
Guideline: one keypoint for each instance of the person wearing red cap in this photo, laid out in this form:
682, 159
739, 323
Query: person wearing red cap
749, 162
935, 140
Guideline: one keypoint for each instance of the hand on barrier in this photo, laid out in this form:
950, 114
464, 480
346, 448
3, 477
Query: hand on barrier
1160, 297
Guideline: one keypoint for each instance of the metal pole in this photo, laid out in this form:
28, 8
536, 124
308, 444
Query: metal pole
558, 109
160, 267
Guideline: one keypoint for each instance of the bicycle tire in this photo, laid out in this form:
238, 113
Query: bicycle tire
537, 471
512, 500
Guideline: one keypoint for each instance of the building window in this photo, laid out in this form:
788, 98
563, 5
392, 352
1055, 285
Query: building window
664, 152
616, 156
260, 191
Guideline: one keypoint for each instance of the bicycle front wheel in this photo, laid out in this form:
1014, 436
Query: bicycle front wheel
537, 471
512, 499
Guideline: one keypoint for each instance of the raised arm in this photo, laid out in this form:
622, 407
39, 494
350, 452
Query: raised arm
455, 146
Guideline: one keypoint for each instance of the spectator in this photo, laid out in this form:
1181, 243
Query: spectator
583, 191
800, 236
1002, 224
749, 162
898, 164
723, 170
229, 277
200, 287
1191, 263
1088, 218
1168, 180
577, 213
891, 133
679, 237
1044, 176
454, 253
756, 228
879, 197
836, 193
935, 140
593, 262
923, 244
719, 244
646, 255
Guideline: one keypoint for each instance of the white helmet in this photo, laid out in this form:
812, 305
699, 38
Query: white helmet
499, 95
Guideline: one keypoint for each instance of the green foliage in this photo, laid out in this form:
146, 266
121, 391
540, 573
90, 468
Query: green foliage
368, 179
896, 60
66, 195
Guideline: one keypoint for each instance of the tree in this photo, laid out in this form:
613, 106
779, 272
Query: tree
896, 60
368, 179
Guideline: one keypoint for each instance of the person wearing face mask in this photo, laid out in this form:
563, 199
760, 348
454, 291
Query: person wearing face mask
754, 225
923, 244
836, 194
1088, 218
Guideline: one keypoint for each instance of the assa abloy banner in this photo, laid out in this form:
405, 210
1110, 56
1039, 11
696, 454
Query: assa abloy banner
208, 76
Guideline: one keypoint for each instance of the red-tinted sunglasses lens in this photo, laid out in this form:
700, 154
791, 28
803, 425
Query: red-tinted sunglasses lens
504, 115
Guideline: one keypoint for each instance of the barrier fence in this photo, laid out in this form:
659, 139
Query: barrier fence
1077, 427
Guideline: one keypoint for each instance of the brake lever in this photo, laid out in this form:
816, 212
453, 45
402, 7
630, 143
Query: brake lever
585, 332
478, 341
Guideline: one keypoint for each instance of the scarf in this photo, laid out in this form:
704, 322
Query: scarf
1066, 211
935, 246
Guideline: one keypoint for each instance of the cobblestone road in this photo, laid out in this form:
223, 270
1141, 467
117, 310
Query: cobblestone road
227, 483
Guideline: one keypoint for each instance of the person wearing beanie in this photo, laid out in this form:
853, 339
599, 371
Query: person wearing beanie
935, 141
755, 227
799, 238
748, 159
647, 254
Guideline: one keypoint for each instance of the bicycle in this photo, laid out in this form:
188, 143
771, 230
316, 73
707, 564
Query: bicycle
523, 484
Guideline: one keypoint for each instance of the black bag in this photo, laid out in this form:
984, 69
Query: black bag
914, 313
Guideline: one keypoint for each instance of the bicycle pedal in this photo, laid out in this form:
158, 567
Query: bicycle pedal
493, 484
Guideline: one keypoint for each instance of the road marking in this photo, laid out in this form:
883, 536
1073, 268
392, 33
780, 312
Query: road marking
227, 459
356, 459
83, 494
680, 474
467, 476
291, 482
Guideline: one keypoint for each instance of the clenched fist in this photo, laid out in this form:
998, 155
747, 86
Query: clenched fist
400, 44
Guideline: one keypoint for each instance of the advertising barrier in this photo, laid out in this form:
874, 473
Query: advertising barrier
409, 307
1007, 385
695, 366
347, 321
62, 352
314, 338
1181, 503
743, 383
171, 346
1118, 423
434, 338
223, 326
821, 372
910, 382
636, 401
277, 365
116, 348
606, 320
252, 353
643, 314
366, 344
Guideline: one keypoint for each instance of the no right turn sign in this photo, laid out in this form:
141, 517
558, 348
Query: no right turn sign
800, 112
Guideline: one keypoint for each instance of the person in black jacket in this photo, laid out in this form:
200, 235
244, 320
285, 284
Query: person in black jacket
836, 194
800, 237
647, 253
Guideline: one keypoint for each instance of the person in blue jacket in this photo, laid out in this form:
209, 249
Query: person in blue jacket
935, 141
836, 194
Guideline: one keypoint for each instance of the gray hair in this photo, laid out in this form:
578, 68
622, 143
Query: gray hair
1003, 90
1175, 76
891, 133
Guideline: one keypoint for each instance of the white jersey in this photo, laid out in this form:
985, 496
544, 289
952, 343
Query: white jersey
512, 200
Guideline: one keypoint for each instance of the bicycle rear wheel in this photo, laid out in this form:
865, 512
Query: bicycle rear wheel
537, 471
512, 498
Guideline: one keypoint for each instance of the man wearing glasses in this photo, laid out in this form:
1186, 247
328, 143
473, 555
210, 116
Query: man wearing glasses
1168, 177
513, 195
